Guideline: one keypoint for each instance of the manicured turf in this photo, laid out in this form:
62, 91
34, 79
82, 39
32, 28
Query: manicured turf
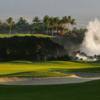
84, 91
35, 74
23, 35
48, 68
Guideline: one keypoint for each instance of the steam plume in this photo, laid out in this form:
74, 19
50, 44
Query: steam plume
91, 43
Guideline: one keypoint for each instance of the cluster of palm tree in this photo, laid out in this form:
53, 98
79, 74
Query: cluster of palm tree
48, 24
58, 25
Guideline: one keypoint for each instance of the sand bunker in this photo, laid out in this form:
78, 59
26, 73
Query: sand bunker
10, 79
73, 76
45, 81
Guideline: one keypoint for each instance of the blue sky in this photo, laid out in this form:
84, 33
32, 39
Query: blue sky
82, 10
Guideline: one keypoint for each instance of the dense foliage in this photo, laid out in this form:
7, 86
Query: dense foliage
29, 48
18, 39
48, 25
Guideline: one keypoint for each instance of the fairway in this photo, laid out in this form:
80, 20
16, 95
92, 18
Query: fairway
50, 66
84, 91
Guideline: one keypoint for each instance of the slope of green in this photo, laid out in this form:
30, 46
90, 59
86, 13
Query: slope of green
46, 68
84, 91
35, 74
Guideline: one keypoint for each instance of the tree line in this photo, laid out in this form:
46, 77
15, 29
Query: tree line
48, 24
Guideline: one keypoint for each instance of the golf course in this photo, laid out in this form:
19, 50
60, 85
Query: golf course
49, 68
83, 91
49, 50
33, 67
75, 91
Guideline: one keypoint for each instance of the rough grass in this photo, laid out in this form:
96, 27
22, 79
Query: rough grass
83, 91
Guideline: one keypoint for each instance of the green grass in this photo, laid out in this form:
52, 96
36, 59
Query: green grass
46, 69
35, 74
83, 91
23, 35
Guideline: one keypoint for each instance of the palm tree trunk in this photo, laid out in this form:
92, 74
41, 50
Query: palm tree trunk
10, 29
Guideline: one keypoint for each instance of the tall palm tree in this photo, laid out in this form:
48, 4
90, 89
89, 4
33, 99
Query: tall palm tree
56, 23
10, 24
46, 21
60, 27
51, 25
22, 25
65, 19
36, 19
63, 25
0, 25
36, 24
73, 22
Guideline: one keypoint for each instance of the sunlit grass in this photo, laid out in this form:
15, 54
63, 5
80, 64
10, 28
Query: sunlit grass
16, 67
3, 35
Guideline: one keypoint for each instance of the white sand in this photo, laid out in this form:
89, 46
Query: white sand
45, 81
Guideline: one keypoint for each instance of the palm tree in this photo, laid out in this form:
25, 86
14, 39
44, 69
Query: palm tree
22, 25
46, 21
36, 19
51, 25
36, 24
0, 25
71, 21
62, 25
10, 23
65, 23
56, 23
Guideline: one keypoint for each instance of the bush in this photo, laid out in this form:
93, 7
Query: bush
29, 48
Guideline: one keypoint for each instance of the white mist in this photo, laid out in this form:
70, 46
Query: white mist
91, 43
